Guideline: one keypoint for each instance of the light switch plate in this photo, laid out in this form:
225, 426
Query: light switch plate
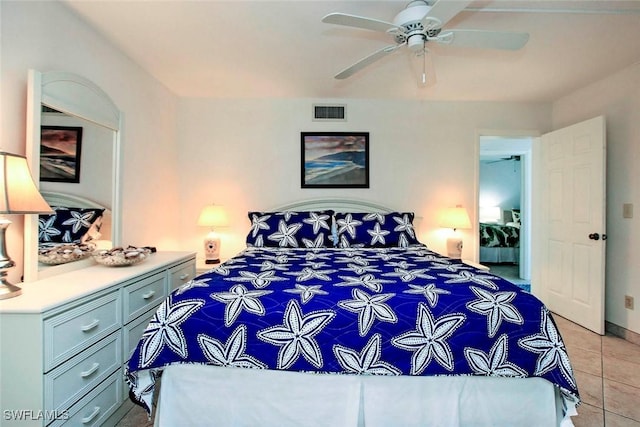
627, 210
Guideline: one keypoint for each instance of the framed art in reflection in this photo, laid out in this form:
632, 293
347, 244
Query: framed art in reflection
60, 149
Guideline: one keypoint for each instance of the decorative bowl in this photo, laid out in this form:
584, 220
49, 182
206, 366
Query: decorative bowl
64, 253
121, 257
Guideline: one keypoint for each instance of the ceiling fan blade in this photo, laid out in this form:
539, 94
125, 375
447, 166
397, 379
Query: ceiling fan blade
360, 22
514, 157
367, 60
442, 12
484, 39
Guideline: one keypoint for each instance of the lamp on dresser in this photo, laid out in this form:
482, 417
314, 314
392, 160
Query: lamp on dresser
456, 218
18, 195
212, 216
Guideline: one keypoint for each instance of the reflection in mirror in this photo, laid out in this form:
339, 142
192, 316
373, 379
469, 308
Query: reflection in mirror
91, 155
77, 165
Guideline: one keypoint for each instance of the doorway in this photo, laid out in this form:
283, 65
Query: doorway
570, 215
504, 206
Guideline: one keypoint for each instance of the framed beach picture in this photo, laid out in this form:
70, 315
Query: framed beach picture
334, 159
60, 148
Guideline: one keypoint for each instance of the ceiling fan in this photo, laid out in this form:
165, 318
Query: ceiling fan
420, 23
515, 158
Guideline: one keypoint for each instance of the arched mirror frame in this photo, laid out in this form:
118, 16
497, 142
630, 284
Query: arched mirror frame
74, 95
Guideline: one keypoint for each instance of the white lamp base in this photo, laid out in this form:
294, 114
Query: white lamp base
454, 247
7, 290
212, 249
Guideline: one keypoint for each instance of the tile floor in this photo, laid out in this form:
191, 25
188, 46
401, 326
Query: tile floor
511, 272
136, 417
607, 369
508, 271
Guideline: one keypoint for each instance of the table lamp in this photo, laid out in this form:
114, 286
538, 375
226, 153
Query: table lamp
490, 214
18, 195
455, 218
212, 216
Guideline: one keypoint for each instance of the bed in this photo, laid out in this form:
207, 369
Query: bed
378, 331
500, 239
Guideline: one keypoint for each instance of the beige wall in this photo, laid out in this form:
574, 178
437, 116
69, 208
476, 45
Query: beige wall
46, 36
246, 154
618, 99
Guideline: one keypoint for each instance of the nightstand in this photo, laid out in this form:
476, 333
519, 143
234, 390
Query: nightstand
201, 267
476, 265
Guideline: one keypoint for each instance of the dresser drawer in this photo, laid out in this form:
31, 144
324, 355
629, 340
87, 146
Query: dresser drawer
73, 379
132, 334
96, 407
181, 274
68, 333
144, 295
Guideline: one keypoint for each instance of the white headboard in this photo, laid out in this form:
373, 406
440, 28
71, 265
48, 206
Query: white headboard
336, 204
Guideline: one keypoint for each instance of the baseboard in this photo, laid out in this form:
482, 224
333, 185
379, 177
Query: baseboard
623, 333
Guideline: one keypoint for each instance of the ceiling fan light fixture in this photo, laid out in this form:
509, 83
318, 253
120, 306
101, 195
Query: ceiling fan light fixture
416, 42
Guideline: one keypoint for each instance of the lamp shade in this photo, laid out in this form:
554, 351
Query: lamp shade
455, 218
18, 192
213, 216
490, 214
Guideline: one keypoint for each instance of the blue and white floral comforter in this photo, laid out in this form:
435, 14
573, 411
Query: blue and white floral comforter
385, 311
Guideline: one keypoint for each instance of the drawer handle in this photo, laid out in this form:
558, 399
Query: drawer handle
184, 276
90, 326
149, 294
90, 371
90, 417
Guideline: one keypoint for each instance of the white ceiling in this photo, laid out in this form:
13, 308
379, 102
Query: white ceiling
263, 48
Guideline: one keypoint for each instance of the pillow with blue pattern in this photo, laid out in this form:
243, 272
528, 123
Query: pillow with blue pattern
375, 230
290, 229
67, 225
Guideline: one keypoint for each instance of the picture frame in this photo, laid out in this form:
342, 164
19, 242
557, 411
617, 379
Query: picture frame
334, 159
60, 153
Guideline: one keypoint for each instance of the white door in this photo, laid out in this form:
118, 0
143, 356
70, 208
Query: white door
569, 239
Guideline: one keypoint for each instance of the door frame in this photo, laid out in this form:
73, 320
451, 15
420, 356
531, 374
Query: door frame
527, 166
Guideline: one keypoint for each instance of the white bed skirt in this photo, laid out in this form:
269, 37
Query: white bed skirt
197, 395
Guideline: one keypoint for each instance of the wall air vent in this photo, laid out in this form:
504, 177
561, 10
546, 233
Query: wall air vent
333, 113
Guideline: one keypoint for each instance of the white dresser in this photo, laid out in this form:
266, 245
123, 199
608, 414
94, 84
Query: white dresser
64, 341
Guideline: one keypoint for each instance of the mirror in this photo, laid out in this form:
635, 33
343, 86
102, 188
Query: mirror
72, 101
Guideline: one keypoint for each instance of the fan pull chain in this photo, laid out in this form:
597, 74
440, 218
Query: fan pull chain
424, 62
424, 66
